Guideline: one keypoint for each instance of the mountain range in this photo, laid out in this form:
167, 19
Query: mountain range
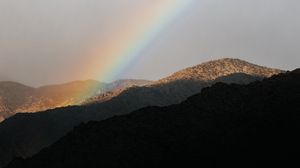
16, 97
224, 125
25, 134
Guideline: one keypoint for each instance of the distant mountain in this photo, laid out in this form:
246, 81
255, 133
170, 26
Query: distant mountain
187, 82
12, 96
212, 70
224, 125
16, 97
39, 130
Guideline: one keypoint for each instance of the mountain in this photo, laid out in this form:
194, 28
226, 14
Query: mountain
15, 97
223, 67
26, 134
188, 81
225, 124
12, 96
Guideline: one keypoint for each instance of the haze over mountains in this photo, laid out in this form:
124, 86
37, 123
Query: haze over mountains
16, 97
224, 125
26, 134
4, 78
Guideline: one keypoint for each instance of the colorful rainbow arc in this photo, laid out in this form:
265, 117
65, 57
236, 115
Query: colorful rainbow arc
125, 48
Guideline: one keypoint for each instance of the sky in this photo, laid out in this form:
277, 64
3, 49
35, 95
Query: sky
46, 42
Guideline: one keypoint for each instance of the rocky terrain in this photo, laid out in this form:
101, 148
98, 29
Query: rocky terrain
12, 96
214, 69
225, 125
39, 130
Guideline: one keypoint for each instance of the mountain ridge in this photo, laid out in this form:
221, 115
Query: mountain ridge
211, 70
39, 130
30, 99
241, 124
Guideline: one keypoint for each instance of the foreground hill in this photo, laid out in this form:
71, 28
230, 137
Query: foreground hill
15, 97
26, 134
239, 123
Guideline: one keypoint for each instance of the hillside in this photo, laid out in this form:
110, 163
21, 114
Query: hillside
114, 89
223, 125
39, 130
212, 70
15, 97
12, 96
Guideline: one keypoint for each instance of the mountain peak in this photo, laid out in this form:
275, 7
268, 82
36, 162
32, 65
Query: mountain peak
212, 70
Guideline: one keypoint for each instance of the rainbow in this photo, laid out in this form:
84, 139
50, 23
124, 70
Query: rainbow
114, 58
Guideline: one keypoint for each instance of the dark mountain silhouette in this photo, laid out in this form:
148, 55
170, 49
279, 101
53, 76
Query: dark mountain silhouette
16, 97
244, 124
26, 134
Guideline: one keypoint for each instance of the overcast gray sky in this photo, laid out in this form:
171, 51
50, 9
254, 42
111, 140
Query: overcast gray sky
46, 41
